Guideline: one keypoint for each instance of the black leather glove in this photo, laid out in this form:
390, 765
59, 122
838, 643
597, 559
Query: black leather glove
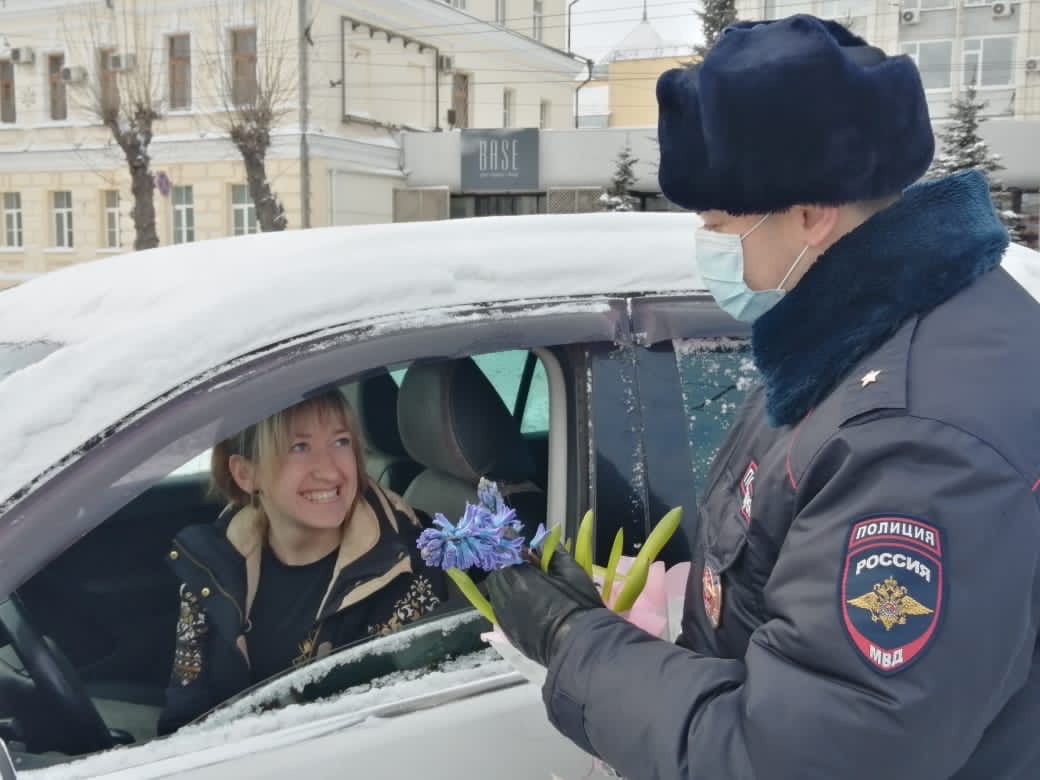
534, 608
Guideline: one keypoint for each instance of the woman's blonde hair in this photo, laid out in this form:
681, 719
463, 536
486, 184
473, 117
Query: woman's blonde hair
265, 445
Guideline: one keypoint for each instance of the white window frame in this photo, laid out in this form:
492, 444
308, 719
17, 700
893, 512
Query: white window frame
915, 56
537, 19
14, 232
246, 208
508, 106
183, 213
113, 220
978, 47
64, 237
501, 11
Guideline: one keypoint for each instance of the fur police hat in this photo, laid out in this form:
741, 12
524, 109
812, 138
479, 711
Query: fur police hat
798, 110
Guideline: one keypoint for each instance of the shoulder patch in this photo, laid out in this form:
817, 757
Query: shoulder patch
892, 589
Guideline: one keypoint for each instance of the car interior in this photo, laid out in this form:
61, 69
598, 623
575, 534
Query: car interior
99, 619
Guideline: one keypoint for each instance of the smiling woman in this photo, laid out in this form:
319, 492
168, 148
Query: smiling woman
308, 556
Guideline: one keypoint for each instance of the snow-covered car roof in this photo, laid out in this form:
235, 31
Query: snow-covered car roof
134, 326
87, 346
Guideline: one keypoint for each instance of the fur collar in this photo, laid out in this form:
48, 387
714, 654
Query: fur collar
904, 261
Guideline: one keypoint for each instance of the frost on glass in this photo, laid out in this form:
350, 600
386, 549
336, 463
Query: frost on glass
715, 376
418, 648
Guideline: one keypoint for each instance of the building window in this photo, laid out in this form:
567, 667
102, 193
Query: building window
508, 101
108, 90
544, 111
842, 10
460, 99
243, 211
112, 225
59, 104
461, 4
243, 67
988, 62
500, 12
7, 111
463, 206
537, 20
179, 54
927, 5
183, 214
63, 219
13, 219
933, 60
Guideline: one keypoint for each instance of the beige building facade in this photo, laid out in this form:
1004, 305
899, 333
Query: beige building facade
622, 90
351, 76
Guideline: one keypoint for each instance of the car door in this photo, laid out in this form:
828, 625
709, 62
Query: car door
97, 494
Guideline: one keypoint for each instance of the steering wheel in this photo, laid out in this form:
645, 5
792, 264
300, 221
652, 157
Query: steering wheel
75, 717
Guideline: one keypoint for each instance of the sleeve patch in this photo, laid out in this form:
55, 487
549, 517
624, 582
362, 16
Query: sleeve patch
892, 590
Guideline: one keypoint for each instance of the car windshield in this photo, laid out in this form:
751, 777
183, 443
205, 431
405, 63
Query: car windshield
14, 356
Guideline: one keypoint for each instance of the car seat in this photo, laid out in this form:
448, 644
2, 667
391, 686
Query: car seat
454, 422
374, 400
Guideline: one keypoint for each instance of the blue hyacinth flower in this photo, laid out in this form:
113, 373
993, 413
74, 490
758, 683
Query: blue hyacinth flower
539, 537
488, 535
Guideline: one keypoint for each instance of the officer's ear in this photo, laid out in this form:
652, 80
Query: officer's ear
819, 225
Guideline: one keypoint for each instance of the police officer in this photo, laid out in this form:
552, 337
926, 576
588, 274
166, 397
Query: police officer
865, 591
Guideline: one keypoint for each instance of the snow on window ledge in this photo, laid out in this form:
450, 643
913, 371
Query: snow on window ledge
239, 729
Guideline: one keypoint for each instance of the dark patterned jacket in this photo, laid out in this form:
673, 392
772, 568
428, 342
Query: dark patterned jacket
379, 584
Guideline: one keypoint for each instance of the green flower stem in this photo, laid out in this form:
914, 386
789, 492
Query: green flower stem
612, 564
655, 542
583, 544
469, 590
549, 546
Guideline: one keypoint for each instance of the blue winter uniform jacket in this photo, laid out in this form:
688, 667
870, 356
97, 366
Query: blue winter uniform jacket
865, 593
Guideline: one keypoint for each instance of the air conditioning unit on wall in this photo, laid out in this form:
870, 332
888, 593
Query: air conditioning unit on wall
22, 56
1033, 66
1002, 8
73, 74
910, 16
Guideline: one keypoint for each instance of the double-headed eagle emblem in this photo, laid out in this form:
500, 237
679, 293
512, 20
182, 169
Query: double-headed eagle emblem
890, 603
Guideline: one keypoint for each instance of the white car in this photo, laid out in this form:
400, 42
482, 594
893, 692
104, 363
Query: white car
584, 343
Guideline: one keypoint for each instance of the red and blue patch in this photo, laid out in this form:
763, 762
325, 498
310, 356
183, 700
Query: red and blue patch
892, 589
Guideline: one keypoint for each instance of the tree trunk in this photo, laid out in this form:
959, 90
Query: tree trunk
270, 214
134, 140
253, 137
146, 234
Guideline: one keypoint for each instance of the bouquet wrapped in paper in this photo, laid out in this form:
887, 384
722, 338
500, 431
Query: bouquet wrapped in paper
488, 536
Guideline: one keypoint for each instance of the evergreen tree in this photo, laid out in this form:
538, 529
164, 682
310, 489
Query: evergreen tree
716, 17
961, 148
616, 195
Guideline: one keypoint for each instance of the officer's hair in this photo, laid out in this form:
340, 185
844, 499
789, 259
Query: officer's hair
871, 207
266, 443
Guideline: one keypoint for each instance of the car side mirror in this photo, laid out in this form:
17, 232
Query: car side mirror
7, 770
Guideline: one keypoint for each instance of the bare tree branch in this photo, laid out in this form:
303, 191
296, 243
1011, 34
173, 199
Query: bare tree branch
125, 99
251, 66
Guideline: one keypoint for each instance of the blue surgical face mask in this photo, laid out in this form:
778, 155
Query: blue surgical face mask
720, 261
